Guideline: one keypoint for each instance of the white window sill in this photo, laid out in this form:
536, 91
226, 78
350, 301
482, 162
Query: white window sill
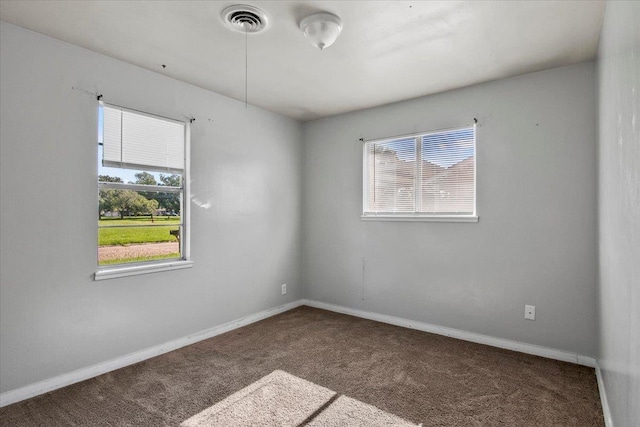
421, 218
133, 270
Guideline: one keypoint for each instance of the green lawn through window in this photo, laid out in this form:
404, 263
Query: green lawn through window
148, 232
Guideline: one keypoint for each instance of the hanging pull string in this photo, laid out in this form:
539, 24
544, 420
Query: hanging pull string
246, 63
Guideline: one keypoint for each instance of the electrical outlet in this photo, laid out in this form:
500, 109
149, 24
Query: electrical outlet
284, 288
530, 312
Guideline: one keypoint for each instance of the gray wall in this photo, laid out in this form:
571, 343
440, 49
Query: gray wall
619, 209
245, 163
535, 242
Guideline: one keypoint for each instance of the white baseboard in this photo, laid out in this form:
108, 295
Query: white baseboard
606, 411
63, 380
60, 381
521, 347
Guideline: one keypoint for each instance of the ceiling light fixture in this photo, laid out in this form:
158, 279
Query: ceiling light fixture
322, 29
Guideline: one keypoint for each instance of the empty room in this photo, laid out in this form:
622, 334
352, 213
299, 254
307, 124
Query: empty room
320, 213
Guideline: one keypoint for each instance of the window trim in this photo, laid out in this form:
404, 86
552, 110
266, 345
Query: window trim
135, 269
145, 267
419, 216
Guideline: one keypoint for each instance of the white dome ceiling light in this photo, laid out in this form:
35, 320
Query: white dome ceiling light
322, 29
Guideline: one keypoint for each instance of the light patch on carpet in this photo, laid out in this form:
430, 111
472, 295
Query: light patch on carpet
345, 411
282, 399
279, 399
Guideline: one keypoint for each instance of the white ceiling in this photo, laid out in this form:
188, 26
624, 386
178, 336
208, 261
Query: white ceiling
388, 50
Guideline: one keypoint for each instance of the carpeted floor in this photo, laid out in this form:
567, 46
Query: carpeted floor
420, 377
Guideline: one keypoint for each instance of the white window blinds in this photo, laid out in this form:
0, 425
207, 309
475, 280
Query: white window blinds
139, 141
392, 175
430, 174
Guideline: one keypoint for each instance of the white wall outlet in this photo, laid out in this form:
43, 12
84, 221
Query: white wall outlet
284, 288
530, 312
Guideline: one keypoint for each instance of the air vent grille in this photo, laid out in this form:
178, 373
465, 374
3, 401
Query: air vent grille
245, 18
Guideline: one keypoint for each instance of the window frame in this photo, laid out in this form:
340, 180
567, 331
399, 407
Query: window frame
144, 267
418, 216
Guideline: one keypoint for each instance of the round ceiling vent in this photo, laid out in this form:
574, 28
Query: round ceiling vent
244, 18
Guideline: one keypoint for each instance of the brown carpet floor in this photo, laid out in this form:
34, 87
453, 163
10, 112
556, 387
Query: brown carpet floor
423, 378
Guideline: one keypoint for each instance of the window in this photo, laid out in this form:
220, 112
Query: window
142, 189
427, 176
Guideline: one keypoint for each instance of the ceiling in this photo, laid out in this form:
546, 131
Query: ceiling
388, 51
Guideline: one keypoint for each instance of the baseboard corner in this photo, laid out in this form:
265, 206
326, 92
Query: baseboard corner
604, 401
